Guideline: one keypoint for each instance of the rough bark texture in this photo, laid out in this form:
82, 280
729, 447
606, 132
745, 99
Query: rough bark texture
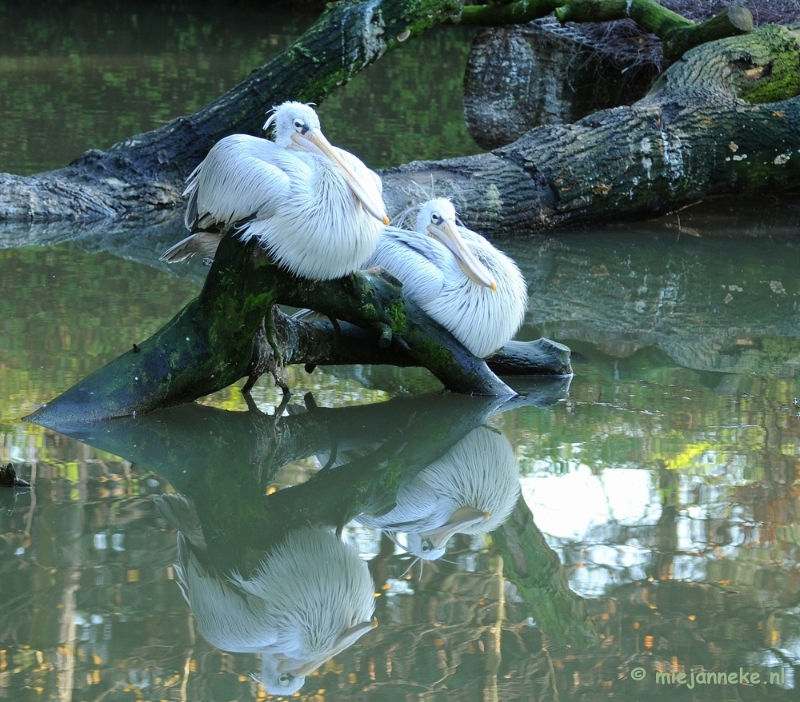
523, 76
712, 125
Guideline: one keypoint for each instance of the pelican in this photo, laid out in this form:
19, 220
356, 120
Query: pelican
471, 489
311, 598
456, 276
316, 209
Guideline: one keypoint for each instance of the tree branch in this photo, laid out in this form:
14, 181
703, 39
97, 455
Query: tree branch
508, 13
320, 343
145, 172
677, 33
210, 343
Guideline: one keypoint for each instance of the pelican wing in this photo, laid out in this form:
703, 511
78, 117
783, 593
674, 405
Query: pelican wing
414, 259
242, 176
414, 505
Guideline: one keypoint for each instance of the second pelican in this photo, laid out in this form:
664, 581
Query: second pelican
455, 275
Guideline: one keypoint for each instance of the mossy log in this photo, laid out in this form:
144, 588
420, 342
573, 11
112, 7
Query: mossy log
321, 343
677, 33
209, 344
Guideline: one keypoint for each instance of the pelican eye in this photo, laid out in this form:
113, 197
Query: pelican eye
300, 126
436, 218
285, 679
427, 546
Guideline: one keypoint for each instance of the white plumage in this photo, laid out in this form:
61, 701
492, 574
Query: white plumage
472, 489
457, 277
311, 598
316, 209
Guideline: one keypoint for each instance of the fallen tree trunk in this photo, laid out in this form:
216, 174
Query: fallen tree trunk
724, 120
595, 169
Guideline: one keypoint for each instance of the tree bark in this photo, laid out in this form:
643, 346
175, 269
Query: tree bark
724, 120
553, 177
524, 76
678, 33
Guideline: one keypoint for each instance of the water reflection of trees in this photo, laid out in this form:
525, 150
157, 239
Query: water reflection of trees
494, 619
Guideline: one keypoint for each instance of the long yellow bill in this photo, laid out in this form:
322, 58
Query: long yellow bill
448, 234
315, 142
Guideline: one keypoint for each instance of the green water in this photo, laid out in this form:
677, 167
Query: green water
658, 518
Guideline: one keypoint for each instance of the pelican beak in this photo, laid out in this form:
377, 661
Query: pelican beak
353, 634
460, 519
472, 267
315, 142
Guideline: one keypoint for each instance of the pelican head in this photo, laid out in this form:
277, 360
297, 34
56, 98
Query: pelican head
438, 218
275, 681
432, 543
297, 128
284, 675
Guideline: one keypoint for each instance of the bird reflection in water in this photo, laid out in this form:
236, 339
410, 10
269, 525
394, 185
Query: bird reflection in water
471, 489
311, 598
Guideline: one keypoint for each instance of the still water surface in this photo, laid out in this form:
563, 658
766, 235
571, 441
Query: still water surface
640, 520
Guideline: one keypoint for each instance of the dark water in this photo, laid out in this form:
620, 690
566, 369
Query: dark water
649, 507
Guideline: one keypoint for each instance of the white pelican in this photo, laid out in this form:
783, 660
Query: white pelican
311, 598
472, 489
456, 276
316, 209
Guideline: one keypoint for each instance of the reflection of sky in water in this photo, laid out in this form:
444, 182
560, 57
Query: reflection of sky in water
602, 526
568, 506
576, 507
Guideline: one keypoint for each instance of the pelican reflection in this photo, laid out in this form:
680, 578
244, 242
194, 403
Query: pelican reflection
471, 489
310, 598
